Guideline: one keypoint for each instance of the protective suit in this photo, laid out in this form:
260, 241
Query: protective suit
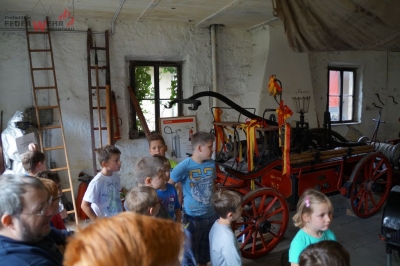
12, 158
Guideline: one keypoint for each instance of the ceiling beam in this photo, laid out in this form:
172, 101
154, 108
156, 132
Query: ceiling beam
262, 24
222, 11
149, 9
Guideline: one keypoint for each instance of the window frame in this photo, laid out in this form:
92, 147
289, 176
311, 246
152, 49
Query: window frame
355, 93
156, 65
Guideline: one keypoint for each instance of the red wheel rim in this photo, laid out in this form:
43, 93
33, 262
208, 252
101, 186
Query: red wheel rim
263, 224
371, 182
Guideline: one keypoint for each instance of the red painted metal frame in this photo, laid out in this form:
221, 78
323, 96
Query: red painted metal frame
308, 175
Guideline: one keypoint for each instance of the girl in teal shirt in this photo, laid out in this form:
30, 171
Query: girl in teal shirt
313, 217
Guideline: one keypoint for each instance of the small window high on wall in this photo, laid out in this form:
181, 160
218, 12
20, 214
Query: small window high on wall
341, 94
155, 84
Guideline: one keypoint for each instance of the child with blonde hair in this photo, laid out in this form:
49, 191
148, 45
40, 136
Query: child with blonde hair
143, 200
313, 217
224, 248
149, 171
126, 239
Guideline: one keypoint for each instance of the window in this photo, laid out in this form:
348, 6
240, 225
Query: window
341, 91
155, 84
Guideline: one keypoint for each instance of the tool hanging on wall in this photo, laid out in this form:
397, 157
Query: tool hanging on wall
379, 98
114, 117
393, 99
377, 106
102, 92
139, 112
96, 65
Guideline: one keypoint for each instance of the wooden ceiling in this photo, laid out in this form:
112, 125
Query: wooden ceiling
243, 14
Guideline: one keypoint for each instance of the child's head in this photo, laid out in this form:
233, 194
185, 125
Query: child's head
46, 174
109, 157
143, 200
202, 144
135, 240
227, 204
53, 192
157, 144
312, 201
167, 166
325, 253
149, 171
33, 161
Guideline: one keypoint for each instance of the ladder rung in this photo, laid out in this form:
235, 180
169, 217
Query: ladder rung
45, 88
59, 169
100, 88
102, 128
97, 48
37, 32
99, 67
49, 67
101, 107
47, 107
42, 68
39, 50
54, 148
50, 127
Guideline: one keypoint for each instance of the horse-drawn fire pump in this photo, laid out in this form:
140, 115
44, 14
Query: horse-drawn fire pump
271, 165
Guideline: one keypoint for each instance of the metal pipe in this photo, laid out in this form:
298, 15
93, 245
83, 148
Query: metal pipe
121, 3
214, 62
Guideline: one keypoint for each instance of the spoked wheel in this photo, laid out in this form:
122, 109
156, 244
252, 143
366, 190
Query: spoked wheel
263, 223
371, 182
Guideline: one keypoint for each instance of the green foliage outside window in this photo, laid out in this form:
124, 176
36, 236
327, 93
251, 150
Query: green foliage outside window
145, 89
174, 81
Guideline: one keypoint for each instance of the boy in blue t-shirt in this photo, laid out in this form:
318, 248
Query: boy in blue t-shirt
157, 146
197, 175
167, 192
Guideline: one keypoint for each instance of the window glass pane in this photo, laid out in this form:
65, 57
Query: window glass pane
144, 82
347, 111
148, 110
348, 80
334, 82
168, 82
334, 107
165, 112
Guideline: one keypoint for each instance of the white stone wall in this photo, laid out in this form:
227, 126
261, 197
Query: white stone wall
245, 62
377, 74
293, 70
131, 41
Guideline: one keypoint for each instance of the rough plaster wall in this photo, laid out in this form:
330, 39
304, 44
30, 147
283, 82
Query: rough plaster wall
292, 69
131, 41
259, 58
377, 74
234, 51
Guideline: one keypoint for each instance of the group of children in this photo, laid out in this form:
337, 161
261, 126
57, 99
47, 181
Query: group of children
156, 195
207, 213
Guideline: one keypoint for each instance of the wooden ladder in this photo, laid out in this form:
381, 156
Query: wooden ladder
101, 95
39, 76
